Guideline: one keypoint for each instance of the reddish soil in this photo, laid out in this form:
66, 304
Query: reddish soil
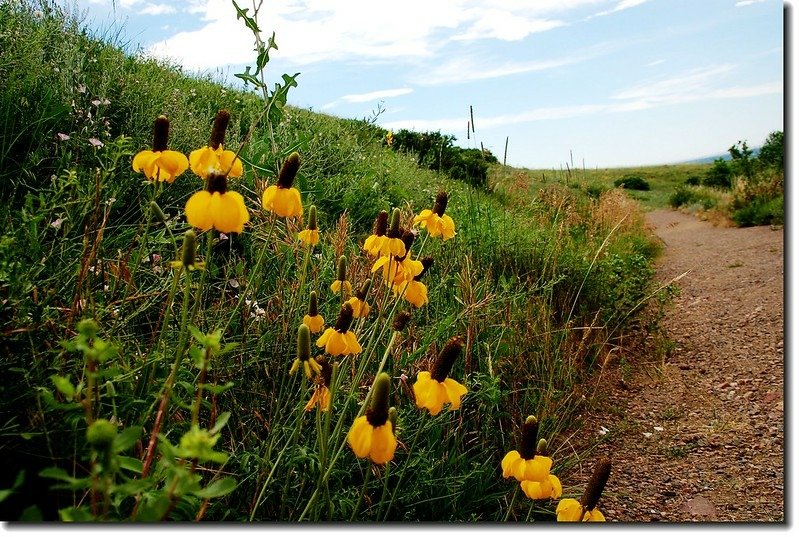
699, 435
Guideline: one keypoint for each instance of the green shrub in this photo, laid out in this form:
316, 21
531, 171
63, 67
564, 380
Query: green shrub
681, 196
693, 180
632, 182
720, 175
761, 212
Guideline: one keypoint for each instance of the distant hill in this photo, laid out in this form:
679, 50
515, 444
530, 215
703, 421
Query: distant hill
711, 159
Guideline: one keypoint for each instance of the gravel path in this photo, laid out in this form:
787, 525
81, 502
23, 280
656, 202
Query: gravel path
701, 437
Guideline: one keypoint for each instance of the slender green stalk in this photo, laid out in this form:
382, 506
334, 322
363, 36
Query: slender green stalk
363, 491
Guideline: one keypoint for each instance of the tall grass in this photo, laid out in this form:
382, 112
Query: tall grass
540, 284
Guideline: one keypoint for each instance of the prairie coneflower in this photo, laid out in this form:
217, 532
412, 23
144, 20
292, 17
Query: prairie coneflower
304, 358
548, 489
321, 393
360, 308
436, 222
415, 291
310, 235
374, 243
214, 159
340, 340
341, 281
525, 465
571, 510
399, 269
372, 435
160, 164
313, 320
188, 253
434, 388
282, 198
217, 207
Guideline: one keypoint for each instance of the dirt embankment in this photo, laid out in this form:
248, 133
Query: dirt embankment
701, 436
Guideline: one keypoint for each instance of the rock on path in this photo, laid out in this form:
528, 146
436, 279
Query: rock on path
701, 436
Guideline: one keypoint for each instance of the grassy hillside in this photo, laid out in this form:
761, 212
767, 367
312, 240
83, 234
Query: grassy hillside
138, 389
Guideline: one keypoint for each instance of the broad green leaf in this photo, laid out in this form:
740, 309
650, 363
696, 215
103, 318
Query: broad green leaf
63, 385
75, 514
221, 421
220, 487
126, 439
130, 463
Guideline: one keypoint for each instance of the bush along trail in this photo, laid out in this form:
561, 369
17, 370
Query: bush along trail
700, 437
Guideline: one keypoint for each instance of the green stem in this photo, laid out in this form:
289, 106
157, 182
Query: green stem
510, 505
422, 424
363, 491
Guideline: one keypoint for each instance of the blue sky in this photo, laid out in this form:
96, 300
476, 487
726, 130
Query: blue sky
614, 82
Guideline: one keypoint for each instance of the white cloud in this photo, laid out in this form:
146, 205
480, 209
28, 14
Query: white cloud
677, 88
157, 9
309, 31
655, 62
367, 97
743, 3
621, 6
468, 69
642, 97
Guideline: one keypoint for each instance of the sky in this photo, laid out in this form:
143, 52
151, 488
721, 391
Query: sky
594, 83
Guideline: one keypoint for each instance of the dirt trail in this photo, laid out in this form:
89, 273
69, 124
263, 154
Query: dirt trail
702, 438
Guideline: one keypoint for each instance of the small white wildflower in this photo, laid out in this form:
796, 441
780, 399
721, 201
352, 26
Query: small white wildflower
95, 142
57, 223
63, 137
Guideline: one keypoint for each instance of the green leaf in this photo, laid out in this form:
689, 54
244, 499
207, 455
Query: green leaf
218, 488
75, 514
63, 385
126, 439
221, 421
133, 487
5, 493
131, 464
31, 514
217, 389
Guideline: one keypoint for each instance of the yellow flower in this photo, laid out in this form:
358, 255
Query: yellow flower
550, 488
304, 358
436, 222
569, 509
415, 291
372, 435
281, 198
208, 160
338, 284
377, 241
314, 322
359, 307
340, 340
433, 389
320, 398
160, 164
218, 208
389, 138
321, 393
309, 237
213, 159
527, 466
533, 469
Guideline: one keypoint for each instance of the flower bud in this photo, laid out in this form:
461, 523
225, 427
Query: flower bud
392, 417
381, 224
362, 292
394, 230
541, 449
344, 320
441, 203
341, 269
312, 217
446, 359
595, 486
157, 212
303, 342
377, 414
220, 126
160, 133
288, 172
529, 438
401, 321
313, 305
189, 249
101, 434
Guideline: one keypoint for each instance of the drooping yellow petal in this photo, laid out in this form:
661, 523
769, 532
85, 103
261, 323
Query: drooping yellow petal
268, 199
353, 347
568, 510
337, 344
314, 323
204, 161
244, 214
360, 437
171, 164
508, 461
309, 237
447, 227
225, 213
383, 444
144, 160
455, 390
225, 161
198, 213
